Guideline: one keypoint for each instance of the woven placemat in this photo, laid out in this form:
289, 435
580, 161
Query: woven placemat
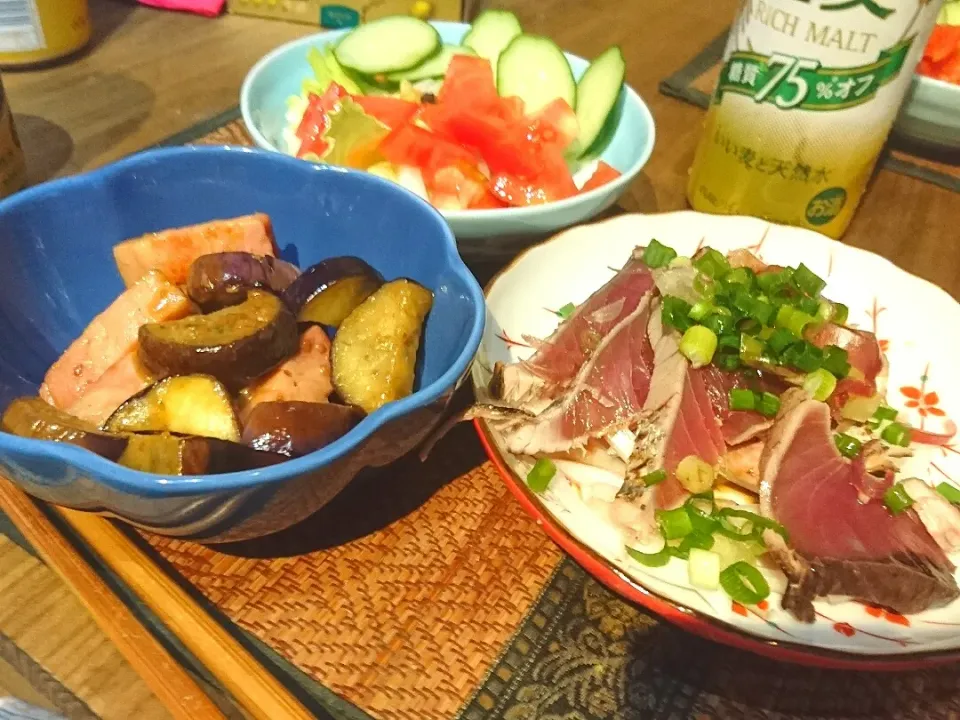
400, 594
696, 81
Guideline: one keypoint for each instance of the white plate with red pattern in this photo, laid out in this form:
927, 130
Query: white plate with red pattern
916, 324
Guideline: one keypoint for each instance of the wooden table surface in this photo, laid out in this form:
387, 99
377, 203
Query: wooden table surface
150, 73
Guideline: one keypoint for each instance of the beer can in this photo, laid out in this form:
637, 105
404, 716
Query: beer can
807, 95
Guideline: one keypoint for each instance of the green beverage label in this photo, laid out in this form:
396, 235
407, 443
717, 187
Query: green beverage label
795, 82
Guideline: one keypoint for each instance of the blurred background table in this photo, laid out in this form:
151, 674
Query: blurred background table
148, 74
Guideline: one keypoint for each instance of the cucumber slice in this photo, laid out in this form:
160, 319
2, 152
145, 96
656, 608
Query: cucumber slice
597, 94
490, 34
398, 42
432, 67
328, 70
534, 69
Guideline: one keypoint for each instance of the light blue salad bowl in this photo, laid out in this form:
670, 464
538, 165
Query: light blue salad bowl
626, 142
59, 272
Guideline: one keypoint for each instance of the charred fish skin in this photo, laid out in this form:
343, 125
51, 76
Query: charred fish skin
842, 543
607, 394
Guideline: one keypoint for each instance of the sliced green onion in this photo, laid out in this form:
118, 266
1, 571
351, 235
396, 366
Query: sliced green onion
566, 311
803, 356
726, 360
762, 312
695, 475
896, 434
742, 399
719, 323
950, 492
897, 499
702, 541
656, 254
768, 524
674, 524
731, 525
835, 360
780, 340
886, 413
744, 583
743, 299
701, 309
751, 349
824, 311
654, 478
712, 264
768, 404
820, 384
874, 424
540, 475
730, 341
808, 281
848, 445
698, 345
675, 313
769, 282
657, 559
704, 286
811, 306
700, 509
740, 276
749, 326
840, 314
786, 276
796, 321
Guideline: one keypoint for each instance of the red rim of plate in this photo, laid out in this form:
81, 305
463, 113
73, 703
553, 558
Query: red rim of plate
688, 618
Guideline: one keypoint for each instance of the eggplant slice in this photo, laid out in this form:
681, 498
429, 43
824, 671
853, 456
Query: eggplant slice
375, 350
235, 345
330, 290
32, 417
219, 280
166, 454
297, 428
184, 404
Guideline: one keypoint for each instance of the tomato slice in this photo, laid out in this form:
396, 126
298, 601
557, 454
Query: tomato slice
550, 185
949, 70
556, 124
316, 120
601, 176
468, 82
944, 42
456, 187
503, 145
516, 192
392, 112
488, 201
412, 145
